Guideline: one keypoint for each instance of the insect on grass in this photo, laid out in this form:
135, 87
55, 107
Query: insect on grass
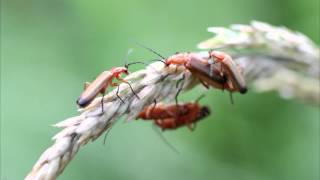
175, 116
102, 82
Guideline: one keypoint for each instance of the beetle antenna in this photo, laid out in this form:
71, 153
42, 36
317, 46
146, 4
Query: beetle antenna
145, 63
107, 133
200, 97
151, 50
165, 140
126, 58
155, 60
137, 62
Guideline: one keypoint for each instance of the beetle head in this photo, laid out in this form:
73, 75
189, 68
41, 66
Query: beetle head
216, 55
118, 70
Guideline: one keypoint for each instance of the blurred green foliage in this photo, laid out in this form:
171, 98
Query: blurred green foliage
49, 48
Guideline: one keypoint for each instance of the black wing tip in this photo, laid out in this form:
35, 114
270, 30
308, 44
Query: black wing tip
243, 90
82, 102
204, 112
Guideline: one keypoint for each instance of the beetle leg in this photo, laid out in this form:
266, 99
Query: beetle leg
175, 71
204, 84
103, 92
231, 98
102, 108
179, 90
163, 77
149, 109
117, 93
124, 81
153, 107
177, 103
192, 126
114, 84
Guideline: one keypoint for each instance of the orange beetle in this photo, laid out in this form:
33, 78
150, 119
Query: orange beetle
174, 116
100, 84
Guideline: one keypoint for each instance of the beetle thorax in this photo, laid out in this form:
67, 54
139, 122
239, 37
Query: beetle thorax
178, 59
118, 70
216, 55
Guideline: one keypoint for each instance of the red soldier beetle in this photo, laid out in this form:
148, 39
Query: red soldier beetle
230, 69
222, 73
101, 83
228, 76
174, 116
207, 72
189, 119
162, 111
207, 75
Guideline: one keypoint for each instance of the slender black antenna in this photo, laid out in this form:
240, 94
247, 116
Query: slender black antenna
126, 58
200, 97
145, 62
151, 50
126, 65
107, 133
155, 60
137, 62
156, 129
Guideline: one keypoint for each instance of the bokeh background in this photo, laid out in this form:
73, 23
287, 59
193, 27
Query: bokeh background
49, 48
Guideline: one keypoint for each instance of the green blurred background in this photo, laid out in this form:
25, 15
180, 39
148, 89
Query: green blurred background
49, 48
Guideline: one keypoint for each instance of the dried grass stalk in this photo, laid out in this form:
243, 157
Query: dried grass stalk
272, 58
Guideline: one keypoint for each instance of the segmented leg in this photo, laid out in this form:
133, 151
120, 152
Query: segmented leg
102, 107
192, 126
231, 98
150, 110
179, 90
117, 93
163, 77
124, 81
154, 105
204, 84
